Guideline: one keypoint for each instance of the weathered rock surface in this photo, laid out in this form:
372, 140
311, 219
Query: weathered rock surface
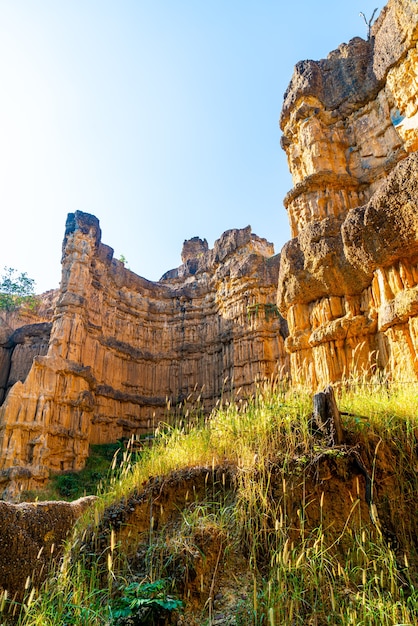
18, 350
120, 347
32, 537
348, 278
24, 333
108, 350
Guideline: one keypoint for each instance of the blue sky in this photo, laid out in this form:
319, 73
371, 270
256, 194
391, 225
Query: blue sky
160, 117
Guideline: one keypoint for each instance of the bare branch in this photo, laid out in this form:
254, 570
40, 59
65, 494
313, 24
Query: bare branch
368, 22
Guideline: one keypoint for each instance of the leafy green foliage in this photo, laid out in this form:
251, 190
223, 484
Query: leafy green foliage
68, 485
16, 290
270, 310
148, 602
124, 260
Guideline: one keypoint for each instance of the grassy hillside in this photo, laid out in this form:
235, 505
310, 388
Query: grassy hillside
249, 517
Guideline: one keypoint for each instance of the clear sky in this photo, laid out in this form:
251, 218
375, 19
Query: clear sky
160, 117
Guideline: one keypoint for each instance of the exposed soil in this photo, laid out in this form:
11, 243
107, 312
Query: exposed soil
32, 537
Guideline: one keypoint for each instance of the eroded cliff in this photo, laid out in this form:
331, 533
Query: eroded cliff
120, 347
348, 278
102, 360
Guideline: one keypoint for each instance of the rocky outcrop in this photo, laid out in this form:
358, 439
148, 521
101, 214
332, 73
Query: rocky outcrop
31, 539
18, 350
347, 283
24, 334
120, 347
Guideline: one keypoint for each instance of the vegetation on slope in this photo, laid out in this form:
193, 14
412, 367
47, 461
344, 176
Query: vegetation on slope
248, 517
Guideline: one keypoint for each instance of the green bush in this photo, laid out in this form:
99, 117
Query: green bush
146, 602
16, 289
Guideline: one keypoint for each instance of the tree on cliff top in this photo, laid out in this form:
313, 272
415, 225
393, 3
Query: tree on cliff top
16, 289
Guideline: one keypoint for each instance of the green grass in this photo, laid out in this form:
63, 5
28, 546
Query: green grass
295, 513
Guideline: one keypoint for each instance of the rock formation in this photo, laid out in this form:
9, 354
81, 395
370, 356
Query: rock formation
24, 333
32, 536
120, 347
117, 347
348, 278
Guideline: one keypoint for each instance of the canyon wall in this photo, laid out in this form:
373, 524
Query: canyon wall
119, 347
106, 352
348, 277
24, 333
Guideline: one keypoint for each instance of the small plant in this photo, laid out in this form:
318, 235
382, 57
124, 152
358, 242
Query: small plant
270, 310
147, 602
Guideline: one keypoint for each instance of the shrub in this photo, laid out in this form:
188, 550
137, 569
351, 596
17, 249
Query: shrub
16, 289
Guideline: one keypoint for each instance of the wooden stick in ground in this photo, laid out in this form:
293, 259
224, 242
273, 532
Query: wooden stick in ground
327, 417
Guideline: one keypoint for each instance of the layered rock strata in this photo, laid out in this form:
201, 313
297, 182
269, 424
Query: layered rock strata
17, 351
117, 347
120, 347
24, 333
348, 278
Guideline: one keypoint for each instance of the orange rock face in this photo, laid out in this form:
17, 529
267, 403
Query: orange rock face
24, 333
120, 347
117, 347
348, 278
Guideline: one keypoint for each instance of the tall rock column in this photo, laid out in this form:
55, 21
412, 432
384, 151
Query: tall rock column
45, 420
348, 123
